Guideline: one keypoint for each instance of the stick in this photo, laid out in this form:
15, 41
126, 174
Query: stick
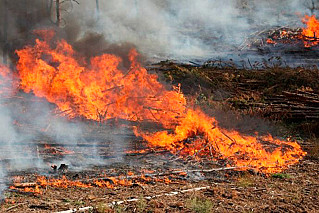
162, 174
217, 169
15, 206
88, 208
23, 185
156, 196
137, 199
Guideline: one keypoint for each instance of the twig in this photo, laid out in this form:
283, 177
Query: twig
156, 196
137, 199
216, 169
88, 208
15, 206
24, 185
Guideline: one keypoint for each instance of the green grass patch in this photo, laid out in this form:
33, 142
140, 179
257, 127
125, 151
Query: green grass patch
199, 205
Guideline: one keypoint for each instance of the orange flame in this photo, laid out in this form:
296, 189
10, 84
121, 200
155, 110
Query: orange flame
8, 82
61, 183
243, 151
311, 32
100, 90
57, 151
97, 90
270, 41
105, 182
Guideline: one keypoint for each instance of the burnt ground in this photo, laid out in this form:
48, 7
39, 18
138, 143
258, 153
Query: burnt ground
256, 98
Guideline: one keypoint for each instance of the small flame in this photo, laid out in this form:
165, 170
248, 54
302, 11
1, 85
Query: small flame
61, 183
8, 82
270, 41
311, 32
57, 151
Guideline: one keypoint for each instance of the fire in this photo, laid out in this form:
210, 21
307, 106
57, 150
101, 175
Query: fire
61, 183
130, 179
307, 36
35, 190
98, 89
8, 82
56, 151
243, 151
270, 41
311, 32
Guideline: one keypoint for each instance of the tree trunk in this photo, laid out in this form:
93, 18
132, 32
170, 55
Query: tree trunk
97, 6
49, 6
58, 18
5, 33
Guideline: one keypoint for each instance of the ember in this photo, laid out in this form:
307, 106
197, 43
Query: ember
56, 151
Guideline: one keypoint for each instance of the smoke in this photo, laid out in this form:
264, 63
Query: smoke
184, 29
8, 135
159, 29
2, 180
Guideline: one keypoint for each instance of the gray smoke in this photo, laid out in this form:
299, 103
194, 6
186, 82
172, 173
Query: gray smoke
2, 180
185, 29
160, 29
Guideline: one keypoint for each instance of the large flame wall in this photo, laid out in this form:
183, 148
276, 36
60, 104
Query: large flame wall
98, 89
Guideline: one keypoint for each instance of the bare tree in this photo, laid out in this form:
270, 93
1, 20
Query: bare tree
97, 6
312, 5
57, 8
5, 33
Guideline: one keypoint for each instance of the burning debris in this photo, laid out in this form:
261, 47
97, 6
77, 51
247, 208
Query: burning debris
130, 179
306, 37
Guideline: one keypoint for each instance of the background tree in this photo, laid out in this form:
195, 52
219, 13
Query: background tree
312, 5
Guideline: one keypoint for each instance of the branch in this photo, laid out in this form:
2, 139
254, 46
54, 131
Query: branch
114, 203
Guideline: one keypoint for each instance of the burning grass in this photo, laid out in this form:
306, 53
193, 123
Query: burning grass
99, 90
239, 191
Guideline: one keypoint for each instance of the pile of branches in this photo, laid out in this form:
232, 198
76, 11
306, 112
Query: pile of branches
299, 105
278, 36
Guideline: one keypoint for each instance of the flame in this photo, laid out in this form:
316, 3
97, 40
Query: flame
270, 41
61, 183
8, 82
311, 32
98, 89
57, 151
243, 151
35, 190
129, 179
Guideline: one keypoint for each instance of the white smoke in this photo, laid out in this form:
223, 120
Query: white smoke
2, 180
182, 29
